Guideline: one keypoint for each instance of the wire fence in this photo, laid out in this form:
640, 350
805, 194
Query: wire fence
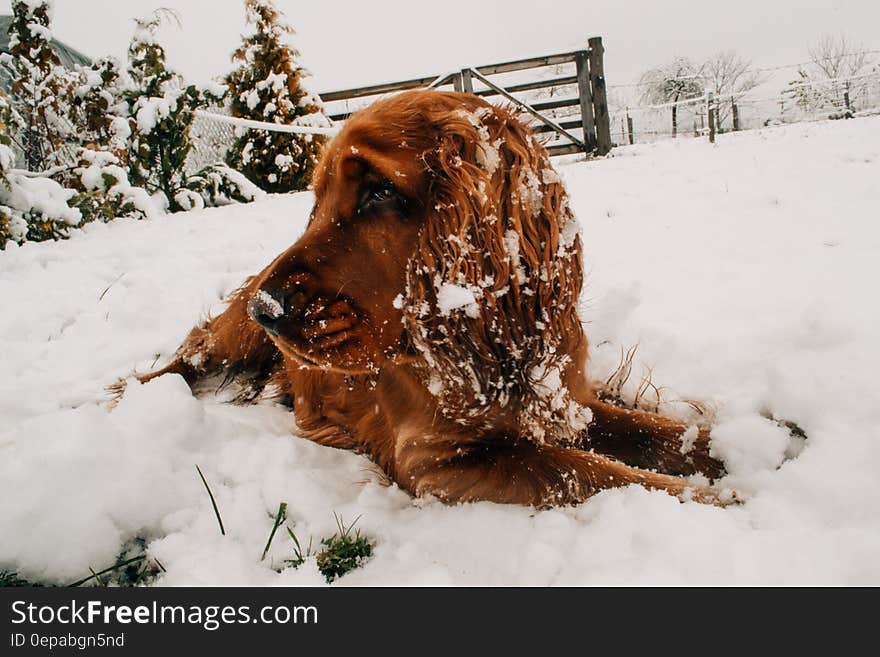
211, 140
798, 102
214, 132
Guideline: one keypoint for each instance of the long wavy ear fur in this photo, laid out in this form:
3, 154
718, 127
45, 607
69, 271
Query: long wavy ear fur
494, 286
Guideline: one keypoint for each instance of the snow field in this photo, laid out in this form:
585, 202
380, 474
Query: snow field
744, 271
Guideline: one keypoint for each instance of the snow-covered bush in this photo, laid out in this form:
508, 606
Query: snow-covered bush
41, 89
100, 142
161, 108
32, 207
219, 184
268, 85
13, 226
100, 177
100, 109
105, 192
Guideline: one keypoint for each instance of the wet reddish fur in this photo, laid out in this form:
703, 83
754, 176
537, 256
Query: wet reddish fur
363, 386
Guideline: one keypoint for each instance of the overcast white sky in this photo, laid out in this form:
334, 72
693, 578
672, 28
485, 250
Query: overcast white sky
351, 43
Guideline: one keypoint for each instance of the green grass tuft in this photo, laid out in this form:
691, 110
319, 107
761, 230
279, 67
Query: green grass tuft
343, 552
132, 568
9, 579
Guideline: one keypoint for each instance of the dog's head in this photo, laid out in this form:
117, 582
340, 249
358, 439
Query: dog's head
441, 236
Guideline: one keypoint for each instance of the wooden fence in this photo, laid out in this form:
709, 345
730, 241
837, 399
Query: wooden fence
586, 130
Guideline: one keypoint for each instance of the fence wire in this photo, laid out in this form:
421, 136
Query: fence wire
812, 101
211, 139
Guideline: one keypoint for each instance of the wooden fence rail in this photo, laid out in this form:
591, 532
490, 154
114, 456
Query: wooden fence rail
589, 79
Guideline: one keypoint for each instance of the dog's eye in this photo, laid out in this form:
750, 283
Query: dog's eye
381, 195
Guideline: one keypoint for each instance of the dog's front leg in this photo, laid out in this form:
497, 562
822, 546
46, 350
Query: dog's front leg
229, 343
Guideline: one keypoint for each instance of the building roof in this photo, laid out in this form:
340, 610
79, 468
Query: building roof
69, 56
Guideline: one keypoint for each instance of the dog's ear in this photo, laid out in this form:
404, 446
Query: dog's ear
493, 289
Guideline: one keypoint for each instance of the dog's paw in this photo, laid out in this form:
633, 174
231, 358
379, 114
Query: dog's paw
723, 497
115, 391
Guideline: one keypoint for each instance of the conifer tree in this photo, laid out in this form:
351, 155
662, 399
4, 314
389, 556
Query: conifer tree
40, 87
162, 109
267, 85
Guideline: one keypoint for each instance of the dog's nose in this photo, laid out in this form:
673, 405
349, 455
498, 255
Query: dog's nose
267, 310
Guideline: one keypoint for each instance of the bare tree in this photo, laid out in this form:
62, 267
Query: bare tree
835, 56
729, 77
835, 60
677, 81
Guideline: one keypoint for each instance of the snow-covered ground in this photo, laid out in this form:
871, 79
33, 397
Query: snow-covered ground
745, 271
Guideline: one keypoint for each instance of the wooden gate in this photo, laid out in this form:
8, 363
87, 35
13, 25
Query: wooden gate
570, 104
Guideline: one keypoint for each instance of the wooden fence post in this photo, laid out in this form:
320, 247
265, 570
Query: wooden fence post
586, 99
629, 127
600, 98
734, 113
710, 110
467, 83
